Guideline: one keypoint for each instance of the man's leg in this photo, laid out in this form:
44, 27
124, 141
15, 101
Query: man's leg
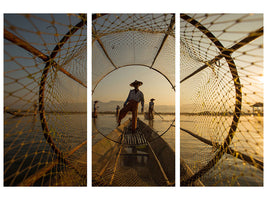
123, 112
149, 114
134, 117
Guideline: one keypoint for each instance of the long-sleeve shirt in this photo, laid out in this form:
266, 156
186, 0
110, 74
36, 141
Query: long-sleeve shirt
136, 96
151, 105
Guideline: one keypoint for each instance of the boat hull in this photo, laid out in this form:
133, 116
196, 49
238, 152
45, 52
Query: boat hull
149, 163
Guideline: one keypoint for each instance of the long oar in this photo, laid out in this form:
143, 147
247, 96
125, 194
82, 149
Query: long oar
161, 117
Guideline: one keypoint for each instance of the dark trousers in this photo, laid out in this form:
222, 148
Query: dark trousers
133, 107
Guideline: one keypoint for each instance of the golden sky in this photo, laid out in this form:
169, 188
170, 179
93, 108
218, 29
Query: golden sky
116, 86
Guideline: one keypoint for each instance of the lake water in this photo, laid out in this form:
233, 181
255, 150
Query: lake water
26, 150
229, 170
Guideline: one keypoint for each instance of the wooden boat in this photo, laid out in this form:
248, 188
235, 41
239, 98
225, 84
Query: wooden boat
139, 159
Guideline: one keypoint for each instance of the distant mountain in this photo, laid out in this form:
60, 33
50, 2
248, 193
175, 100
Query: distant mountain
111, 107
50, 107
75, 107
165, 108
82, 107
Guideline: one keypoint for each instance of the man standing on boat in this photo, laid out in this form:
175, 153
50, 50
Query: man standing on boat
131, 104
95, 109
151, 109
117, 110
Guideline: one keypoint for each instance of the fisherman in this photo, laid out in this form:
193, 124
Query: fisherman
131, 104
117, 110
151, 109
95, 109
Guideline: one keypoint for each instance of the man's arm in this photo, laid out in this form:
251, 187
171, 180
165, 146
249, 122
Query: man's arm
126, 99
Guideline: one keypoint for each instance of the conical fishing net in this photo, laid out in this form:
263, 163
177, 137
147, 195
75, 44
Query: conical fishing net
133, 39
45, 82
125, 41
221, 81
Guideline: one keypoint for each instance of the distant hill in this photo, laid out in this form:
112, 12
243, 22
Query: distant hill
50, 107
82, 107
66, 107
111, 107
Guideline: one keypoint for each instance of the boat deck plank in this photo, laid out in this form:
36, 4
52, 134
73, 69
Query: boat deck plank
132, 163
134, 139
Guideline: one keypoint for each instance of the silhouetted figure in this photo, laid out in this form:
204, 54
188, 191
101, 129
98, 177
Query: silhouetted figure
117, 110
151, 123
95, 109
151, 109
131, 104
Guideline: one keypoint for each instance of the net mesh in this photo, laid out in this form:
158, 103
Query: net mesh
221, 79
118, 41
45, 99
133, 39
